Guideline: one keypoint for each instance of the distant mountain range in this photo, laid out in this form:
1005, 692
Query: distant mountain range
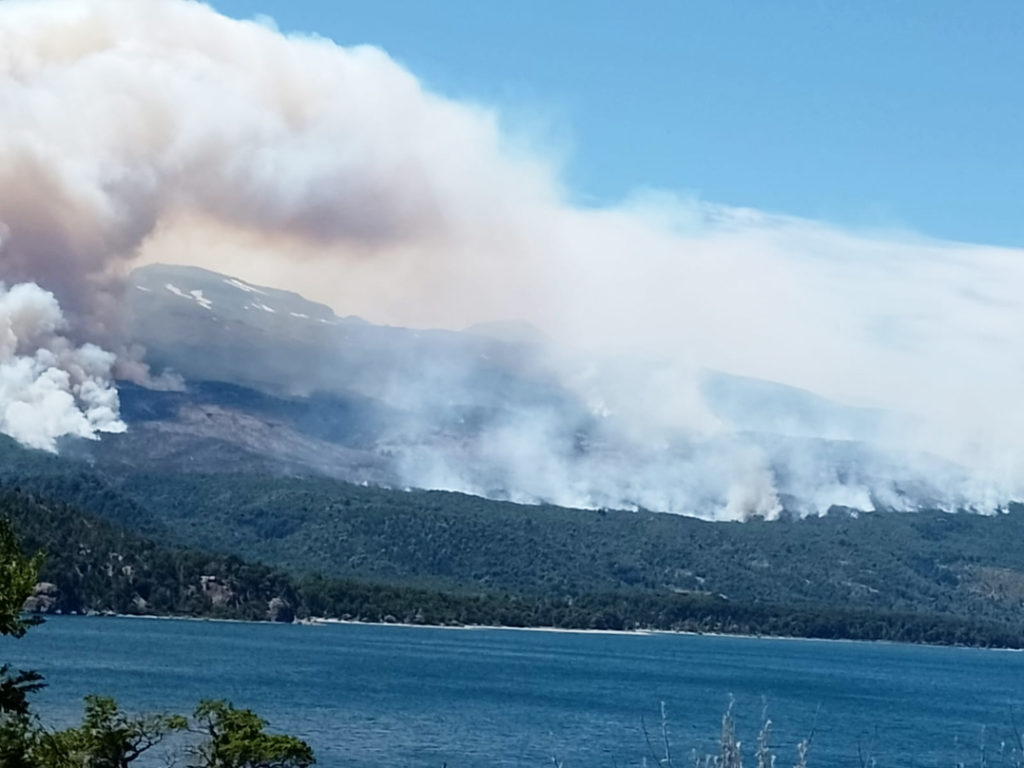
275, 383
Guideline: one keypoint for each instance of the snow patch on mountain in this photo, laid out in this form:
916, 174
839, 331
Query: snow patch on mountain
244, 286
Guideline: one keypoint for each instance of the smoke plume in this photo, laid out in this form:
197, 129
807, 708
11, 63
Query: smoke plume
50, 388
159, 130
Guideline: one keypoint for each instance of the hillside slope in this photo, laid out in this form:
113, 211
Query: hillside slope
93, 565
959, 565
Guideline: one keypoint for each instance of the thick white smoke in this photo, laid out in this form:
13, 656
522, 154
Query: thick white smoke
143, 130
50, 388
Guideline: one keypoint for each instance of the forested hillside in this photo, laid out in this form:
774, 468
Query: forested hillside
960, 564
93, 566
371, 553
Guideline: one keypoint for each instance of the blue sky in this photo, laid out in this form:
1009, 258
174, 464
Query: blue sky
866, 114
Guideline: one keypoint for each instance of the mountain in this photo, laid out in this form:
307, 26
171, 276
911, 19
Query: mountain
275, 383
208, 326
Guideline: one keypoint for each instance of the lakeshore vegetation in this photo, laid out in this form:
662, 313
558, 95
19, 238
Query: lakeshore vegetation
92, 565
298, 547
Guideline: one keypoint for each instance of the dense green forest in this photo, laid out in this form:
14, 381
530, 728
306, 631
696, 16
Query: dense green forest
966, 564
92, 565
338, 550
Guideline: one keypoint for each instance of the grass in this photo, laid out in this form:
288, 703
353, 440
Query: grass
731, 752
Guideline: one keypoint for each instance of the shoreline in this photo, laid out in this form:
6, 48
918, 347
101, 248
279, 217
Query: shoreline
325, 622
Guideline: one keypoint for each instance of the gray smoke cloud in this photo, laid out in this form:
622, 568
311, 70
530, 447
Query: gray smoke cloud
159, 130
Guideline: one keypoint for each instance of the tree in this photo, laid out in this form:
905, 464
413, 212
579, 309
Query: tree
17, 579
15, 688
107, 737
235, 739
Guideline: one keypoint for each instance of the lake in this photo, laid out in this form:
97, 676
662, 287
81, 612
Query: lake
367, 695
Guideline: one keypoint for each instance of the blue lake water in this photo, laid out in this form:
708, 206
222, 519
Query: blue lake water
399, 696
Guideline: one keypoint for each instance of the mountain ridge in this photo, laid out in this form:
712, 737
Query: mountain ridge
489, 411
